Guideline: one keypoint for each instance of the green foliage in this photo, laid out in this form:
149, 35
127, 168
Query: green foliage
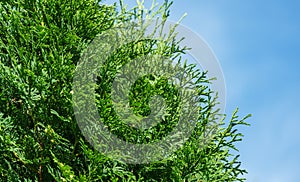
41, 42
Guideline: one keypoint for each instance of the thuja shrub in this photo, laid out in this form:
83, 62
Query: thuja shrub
41, 42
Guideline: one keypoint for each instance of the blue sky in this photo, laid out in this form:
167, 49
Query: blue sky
258, 45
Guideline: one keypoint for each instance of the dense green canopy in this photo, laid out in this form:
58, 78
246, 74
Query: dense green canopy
41, 42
